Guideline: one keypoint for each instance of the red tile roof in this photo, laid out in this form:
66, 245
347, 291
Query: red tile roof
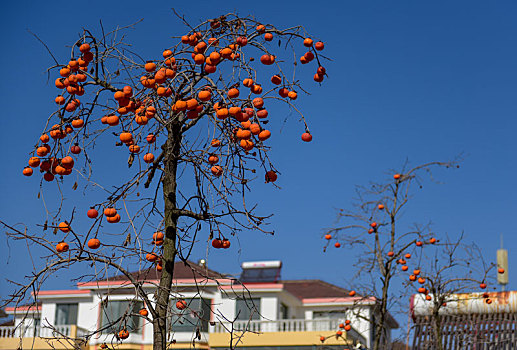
303, 289
182, 270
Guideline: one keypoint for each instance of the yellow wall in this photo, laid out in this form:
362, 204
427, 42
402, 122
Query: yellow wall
277, 339
43, 343
132, 346
216, 340
38, 344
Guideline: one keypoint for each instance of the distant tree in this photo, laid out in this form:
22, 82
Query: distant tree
194, 125
451, 271
386, 245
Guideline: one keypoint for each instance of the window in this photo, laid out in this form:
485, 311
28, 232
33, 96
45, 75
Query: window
196, 315
119, 314
247, 308
66, 314
329, 314
284, 312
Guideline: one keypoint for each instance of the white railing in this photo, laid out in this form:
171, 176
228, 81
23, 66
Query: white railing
293, 325
7, 332
56, 332
43, 332
19, 331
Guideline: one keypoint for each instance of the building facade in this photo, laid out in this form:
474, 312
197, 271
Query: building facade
259, 312
477, 321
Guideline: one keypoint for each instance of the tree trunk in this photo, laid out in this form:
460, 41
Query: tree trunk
381, 327
437, 328
170, 164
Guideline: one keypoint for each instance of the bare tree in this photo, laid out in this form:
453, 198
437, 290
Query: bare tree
192, 121
385, 244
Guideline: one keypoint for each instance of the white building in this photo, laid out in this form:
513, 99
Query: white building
276, 314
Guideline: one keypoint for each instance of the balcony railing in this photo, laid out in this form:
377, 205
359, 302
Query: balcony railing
292, 325
71, 331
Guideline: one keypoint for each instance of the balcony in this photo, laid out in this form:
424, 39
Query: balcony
292, 325
60, 338
289, 332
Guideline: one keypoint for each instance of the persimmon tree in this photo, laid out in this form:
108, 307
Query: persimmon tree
450, 271
390, 258
194, 122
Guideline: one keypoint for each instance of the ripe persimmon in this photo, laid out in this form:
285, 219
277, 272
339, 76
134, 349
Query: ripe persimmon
123, 334
143, 312
94, 243
134, 149
64, 227
150, 66
92, 213
151, 257
217, 170
264, 135
271, 176
62, 247
217, 243
307, 137
204, 95
267, 59
84, 48
233, 93
292, 95
213, 159
258, 102
34, 162
181, 304
149, 158
158, 236
113, 219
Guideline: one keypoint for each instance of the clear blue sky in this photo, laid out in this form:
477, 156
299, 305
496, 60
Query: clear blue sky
418, 80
